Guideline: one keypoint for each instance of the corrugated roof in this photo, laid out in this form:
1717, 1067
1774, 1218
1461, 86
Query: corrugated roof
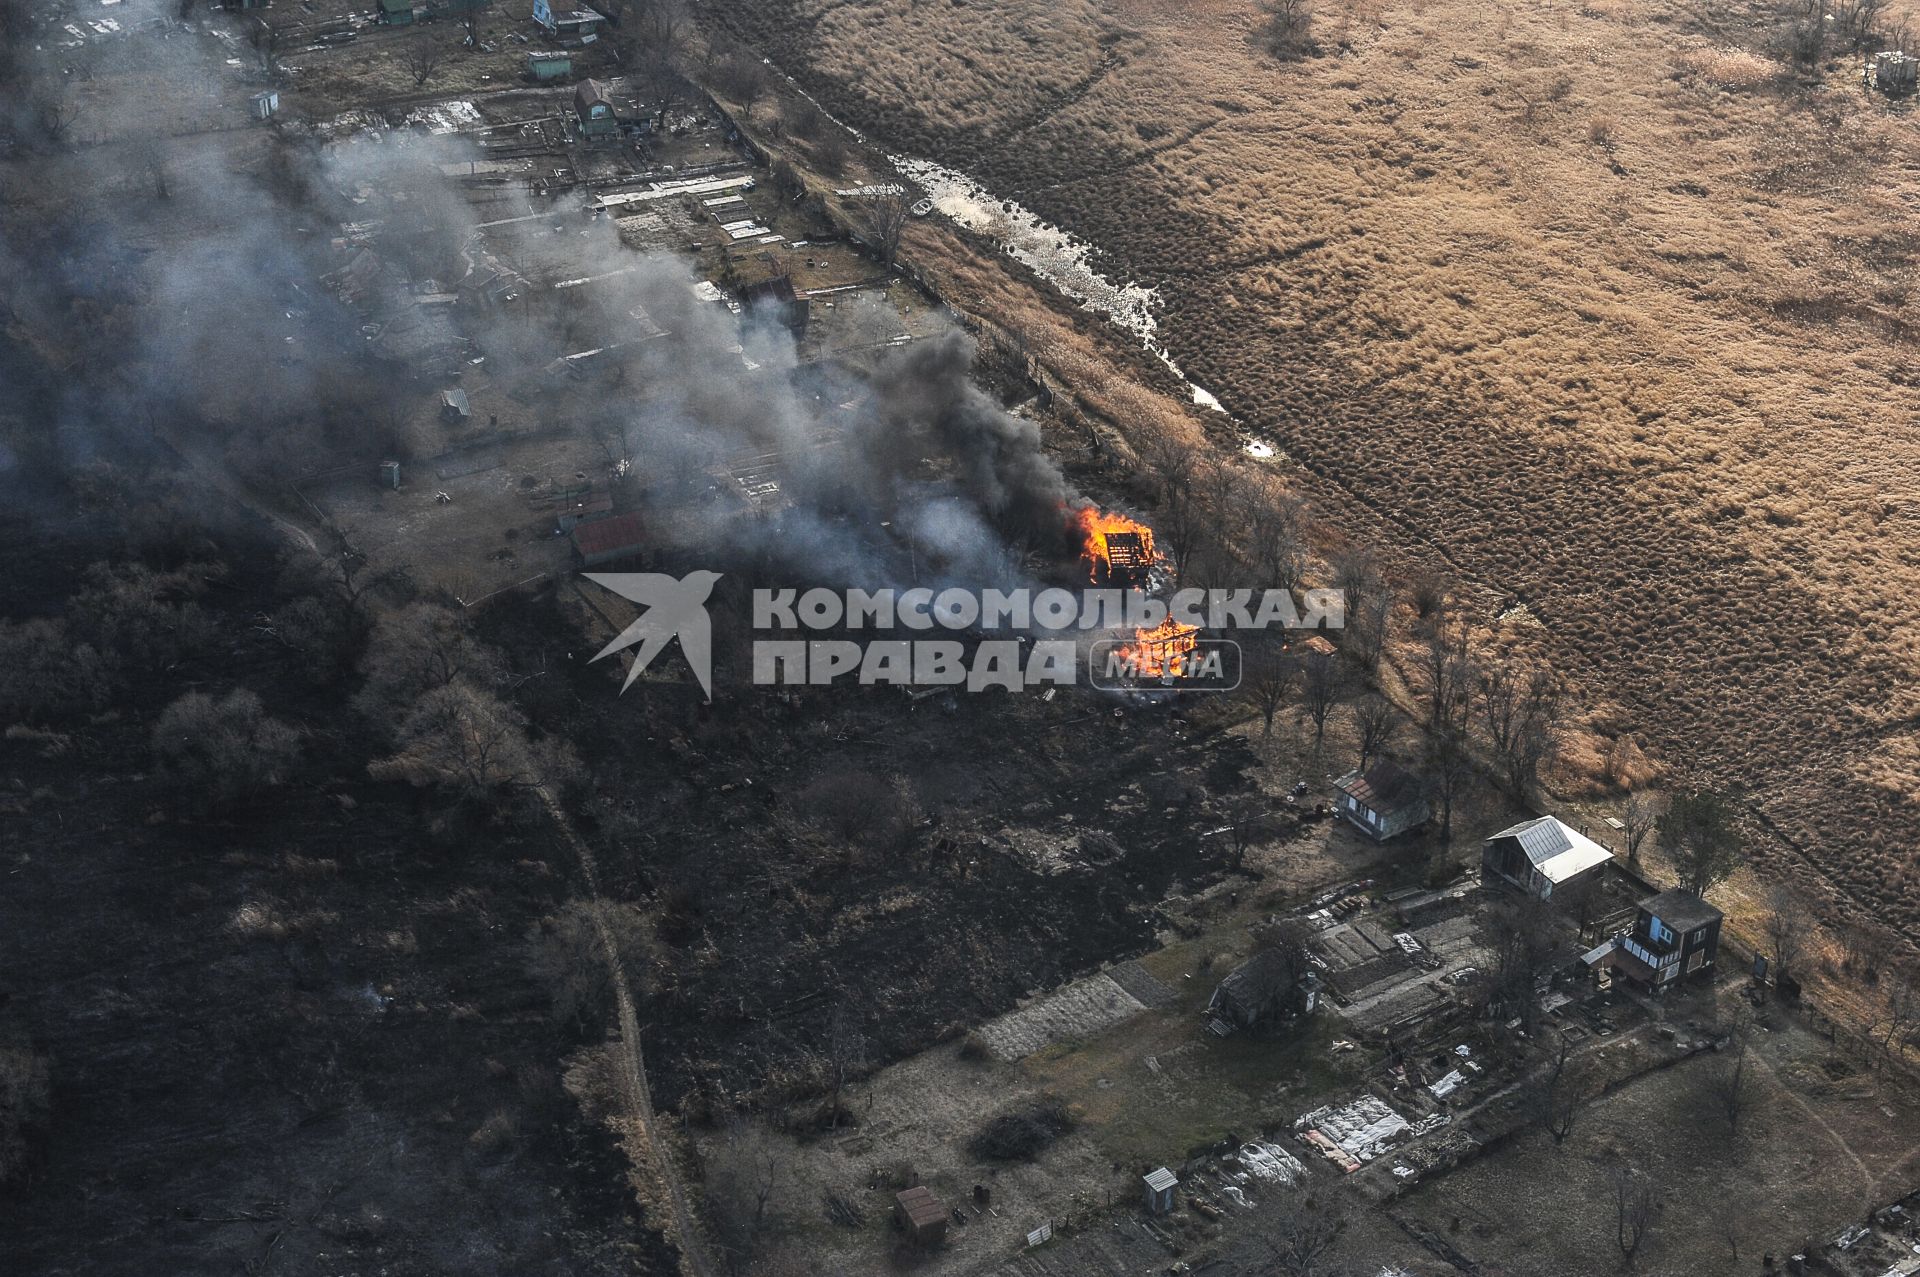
607, 536
1555, 849
921, 1206
1385, 787
1598, 952
1161, 1180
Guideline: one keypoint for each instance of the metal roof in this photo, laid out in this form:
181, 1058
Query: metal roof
1161, 1180
1555, 849
1385, 787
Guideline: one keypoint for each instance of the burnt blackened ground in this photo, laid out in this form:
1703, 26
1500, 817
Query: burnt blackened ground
274, 1035
766, 925
303, 1035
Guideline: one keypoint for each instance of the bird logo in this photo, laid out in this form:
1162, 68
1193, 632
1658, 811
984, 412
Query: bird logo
676, 608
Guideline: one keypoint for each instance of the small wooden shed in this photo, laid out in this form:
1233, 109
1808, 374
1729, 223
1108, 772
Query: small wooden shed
920, 1215
1159, 1191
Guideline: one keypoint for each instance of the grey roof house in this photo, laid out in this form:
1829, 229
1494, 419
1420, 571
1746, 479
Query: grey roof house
1383, 801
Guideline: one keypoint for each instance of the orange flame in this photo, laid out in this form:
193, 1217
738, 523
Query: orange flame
1095, 526
1163, 651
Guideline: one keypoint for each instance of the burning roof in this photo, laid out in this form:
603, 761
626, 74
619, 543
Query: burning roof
1118, 550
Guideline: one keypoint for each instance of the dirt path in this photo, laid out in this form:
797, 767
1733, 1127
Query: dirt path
1867, 1180
651, 1154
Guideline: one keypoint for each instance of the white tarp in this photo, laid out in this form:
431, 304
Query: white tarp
1362, 1129
1270, 1162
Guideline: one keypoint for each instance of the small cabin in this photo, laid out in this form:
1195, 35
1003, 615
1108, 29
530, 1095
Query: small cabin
779, 300
920, 1216
1270, 990
609, 540
264, 104
396, 13
1382, 802
593, 110
1159, 1188
583, 24
549, 65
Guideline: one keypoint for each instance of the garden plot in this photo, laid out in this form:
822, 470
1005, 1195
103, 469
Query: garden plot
1077, 1011
1270, 1164
1353, 1134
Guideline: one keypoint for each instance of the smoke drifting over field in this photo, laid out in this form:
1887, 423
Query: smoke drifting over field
179, 299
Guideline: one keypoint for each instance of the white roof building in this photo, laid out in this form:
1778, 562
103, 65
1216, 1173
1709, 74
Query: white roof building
1541, 855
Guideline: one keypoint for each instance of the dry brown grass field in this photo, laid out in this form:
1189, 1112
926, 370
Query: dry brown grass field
1597, 301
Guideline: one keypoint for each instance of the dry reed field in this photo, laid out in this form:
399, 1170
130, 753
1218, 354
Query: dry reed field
1599, 301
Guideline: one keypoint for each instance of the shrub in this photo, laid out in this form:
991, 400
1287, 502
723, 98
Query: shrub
220, 751
1023, 1132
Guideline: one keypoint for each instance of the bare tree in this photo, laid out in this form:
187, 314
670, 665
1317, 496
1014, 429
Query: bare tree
1377, 721
1448, 665
220, 751
1729, 1089
1896, 1015
138, 619
857, 808
1286, 30
1786, 931
741, 1175
843, 1053
55, 116
1298, 1232
1248, 822
1273, 521
565, 953
419, 648
1526, 947
1449, 769
47, 673
1698, 832
471, 11
1580, 901
1640, 816
421, 58
343, 572
1636, 1202
1323, 681
746, 80
1555, 1095
1522, 713
471, 746
662, 31
1267, 678
882, 221
1369, 626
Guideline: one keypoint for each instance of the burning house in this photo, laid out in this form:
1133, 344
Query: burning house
1117, 550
